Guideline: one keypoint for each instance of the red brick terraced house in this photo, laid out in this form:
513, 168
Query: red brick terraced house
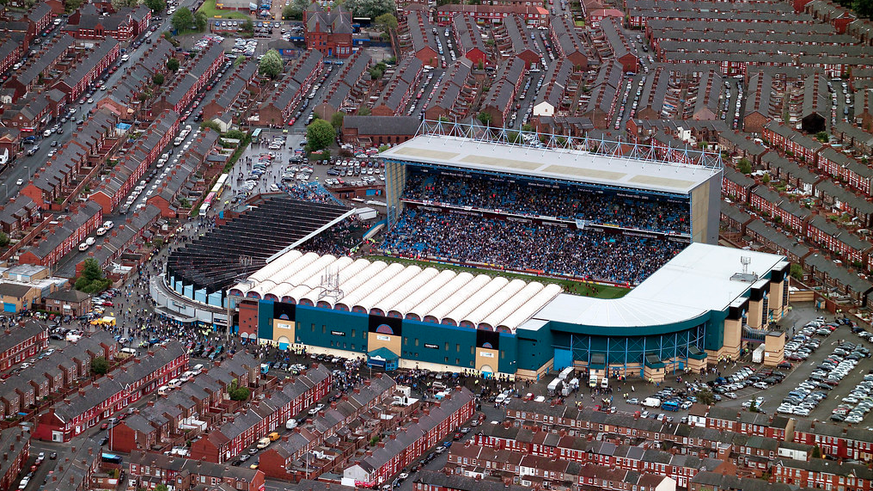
15, 445
409, 443
839, 165
837, 441
149, 469
111, 394
20, 342
262, 416
329, 32
185, 85
823, 474
88, 70
790, 141
280, 103
63, 236
845, 244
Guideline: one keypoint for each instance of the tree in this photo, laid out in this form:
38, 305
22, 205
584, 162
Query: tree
822, 136
71, 6
271, 65
364, 111
864, 8
386, 23
765, 178
117, 4
796, 272
99, 366
706, 396
182, 20
235, 134
236, 392
157, 6
294, 11
247, 26
158, 78
319, 135
4, 239
371, 8
92, 280
173, 64
210, 124
744, 166
337, 120
200, 21
162, 487
816, 452
484, 118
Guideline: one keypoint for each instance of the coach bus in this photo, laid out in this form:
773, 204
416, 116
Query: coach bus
214, 193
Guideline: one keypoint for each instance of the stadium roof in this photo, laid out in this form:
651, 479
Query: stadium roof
380, 288
552, 163
698, 280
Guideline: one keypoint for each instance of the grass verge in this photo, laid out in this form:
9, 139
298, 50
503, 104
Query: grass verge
570, 286
212, 11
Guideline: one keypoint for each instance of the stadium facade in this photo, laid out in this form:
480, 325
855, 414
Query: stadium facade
703, 305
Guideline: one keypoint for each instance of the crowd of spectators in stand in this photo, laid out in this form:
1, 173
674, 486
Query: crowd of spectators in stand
524, 198
338, 240
309, 191
526, 246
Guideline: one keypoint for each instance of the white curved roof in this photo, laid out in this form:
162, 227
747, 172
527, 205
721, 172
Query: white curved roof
272, 268
354, 282
509, 306
419, 295
313, 270
349, 271
293, 268
531, 307
314, 281
492, 303
404, 289
409, 289
460, 296
477, 299
389, 287
353, 297
439, 296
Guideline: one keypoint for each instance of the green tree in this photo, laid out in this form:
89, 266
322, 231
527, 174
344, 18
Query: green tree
386, 23
158, 78
337, 120
173, 64
319, 135
822, 136
182, 20
91, 280
271, 65
235, 134
706, 396
765, 178
371, 8
71, 6
484, 118
4, 239
157, 6
744, 166
200, 21
796, 272
864, 8
161, 487
210, 124
236, 392
816, 452
294, 11
99, 366
117, 4
364, 111
247, 26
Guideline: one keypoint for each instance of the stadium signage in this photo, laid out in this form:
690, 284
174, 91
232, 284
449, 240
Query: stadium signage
338, 333
431, 346
382, 337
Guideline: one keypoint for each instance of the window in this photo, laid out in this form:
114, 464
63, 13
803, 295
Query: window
323, 329
353, 333
447, 346
458, 348
416, 341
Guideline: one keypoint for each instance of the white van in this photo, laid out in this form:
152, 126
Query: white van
175, 383
83, 246
198, 369
291, 424
652, 402
163, 390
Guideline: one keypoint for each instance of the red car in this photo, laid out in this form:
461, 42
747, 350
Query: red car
104, 425
107, 303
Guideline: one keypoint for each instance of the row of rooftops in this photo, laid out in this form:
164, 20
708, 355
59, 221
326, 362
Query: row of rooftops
352, 72
134, 77
420, 31
401, 84
454, 80
193, 74
119, 381
404, 437
67, 225
293, 81
188, 467
18, 334
468, 34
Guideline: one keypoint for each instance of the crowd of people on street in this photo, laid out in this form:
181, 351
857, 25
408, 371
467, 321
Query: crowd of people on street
539, 199
521, 246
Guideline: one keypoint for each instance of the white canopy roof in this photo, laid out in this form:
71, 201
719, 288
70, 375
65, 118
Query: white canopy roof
403, 289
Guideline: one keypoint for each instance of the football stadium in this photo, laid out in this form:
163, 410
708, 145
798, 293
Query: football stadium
594, 212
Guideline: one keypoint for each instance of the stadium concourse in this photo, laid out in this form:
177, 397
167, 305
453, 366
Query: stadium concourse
622, 217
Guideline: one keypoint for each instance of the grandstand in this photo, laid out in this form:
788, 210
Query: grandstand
203, 269
611, 215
